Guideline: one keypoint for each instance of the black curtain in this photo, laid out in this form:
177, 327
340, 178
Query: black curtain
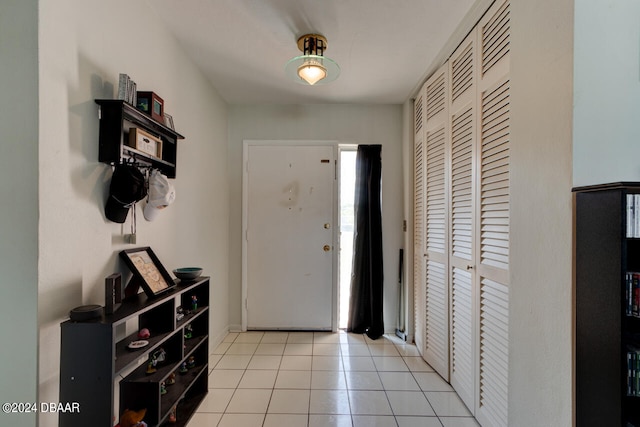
365, 306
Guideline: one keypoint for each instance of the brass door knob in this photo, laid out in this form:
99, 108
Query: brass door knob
326, 248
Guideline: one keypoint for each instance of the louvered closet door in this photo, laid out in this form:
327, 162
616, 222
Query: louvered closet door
436, 346
419, 250
493, 216
462, 257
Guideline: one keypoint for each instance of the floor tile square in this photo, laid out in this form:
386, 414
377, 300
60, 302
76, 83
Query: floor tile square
390, 363
216, 400
326, 363
404, 421
294, 380
300, 337
355, 349
369, 403
249, 401
330, 420
363, 381
222, 348
214, 359
239, 420
358, 363
417, 364
321, 349
203, 419
329, 402
242, 348
274, 338
326, 337
258, 379
328, 380
352, 338
430, 381
249, 337
373, 421
408, 350
264, 362
270, 349
233, 361
231, 337
398, 381
383, 350
459, 422
289, 402
298, 349
296, 363
288, 420
409, 403
447, 404
225, 378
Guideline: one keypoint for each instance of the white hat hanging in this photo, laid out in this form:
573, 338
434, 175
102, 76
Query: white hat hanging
161, 194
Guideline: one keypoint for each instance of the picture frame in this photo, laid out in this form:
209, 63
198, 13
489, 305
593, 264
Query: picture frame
147, 270
150, 103
168, 121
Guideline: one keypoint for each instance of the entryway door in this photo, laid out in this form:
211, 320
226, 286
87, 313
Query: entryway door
289, 211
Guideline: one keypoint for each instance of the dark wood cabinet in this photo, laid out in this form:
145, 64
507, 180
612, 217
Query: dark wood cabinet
606, 330
97, 369
117, 119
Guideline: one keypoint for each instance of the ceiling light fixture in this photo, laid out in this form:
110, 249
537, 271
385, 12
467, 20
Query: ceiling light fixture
312, 67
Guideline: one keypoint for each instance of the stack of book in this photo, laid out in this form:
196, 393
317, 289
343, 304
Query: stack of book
127, 89
632, 294
633, 372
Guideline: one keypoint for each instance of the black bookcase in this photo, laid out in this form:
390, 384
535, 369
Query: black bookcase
95, 361
606, 250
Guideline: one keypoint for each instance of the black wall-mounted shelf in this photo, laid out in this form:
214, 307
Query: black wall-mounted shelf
117, 118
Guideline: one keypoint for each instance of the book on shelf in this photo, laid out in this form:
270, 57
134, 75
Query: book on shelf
633, 215
632, 293
127, 89
633, 371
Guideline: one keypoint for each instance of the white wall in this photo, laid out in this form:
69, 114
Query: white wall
540, 293
19, 201
606, 139
84, 45
346, 123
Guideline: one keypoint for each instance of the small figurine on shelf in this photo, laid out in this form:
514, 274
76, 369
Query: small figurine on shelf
183, 368
172, 415
179, 314
151, 367
191, 363
163, 388
188, 331
131, 418
144, 334
194, 303
160, 355
172, 378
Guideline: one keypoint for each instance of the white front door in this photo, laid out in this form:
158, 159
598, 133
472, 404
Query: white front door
289, 208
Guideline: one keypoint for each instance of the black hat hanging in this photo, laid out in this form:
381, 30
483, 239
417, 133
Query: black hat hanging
128, 186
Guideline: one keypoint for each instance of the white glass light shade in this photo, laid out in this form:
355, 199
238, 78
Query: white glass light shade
312, 69
312, 72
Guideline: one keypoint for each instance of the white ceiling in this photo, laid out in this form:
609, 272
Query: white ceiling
383, 47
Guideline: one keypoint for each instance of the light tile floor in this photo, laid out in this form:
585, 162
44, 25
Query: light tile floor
314, 379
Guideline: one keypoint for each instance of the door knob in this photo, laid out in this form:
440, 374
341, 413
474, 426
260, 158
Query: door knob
326, 248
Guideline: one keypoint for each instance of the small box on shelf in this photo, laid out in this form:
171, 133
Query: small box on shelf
145, 142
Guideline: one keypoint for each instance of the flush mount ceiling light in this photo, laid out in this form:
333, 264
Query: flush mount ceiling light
312, 67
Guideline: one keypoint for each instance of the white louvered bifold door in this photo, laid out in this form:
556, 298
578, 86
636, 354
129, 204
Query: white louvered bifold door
436, 346
492, 244
462, 111
419, 225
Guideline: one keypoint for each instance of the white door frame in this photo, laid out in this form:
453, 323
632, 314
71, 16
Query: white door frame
334, 235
